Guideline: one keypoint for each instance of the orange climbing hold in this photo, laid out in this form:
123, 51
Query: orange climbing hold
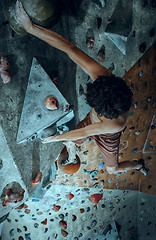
20, 207
11, 198
44, 222
27, 211
95, 198
70, 196
56, 208
64, 233
37, 178
51, 103
63, 225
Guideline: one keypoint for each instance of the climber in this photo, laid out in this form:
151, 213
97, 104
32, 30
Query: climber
109, 97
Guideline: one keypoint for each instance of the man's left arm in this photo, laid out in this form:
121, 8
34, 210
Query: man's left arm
93, 129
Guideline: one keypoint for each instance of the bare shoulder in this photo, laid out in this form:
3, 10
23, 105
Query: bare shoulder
114, 125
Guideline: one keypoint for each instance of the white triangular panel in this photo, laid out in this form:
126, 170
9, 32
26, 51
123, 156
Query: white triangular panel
119, 40
35, 116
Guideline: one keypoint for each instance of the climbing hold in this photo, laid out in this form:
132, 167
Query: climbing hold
99, 3
44, 222
93, 174
137, 133
131, 128
78, 149
44, 13
74, 218
27, 236
110, 180
135, 105
4, 66
90, 42
152, 32
101, 171
51, 103
27, 211
12, 198
93, 223
120, 155
85, 152
37, 178
149, 98
82, 210
81, 90
70, 196
99, 22
135, 150
64, 233
150, 147
95, 198
1, 164
63, 224
101, 165
21, 238
153, 126
101, 54
56, 208
61, 216
20, 207
142, 47
148, 158
85, 171
12, 231
141, 74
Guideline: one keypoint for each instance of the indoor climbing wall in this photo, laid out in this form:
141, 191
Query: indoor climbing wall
137, 142
76, 213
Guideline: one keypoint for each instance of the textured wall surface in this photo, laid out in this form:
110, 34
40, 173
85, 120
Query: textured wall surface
131, 55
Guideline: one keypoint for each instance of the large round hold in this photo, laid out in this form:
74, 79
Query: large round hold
45, 13
69, 168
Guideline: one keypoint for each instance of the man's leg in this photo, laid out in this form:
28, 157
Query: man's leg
71, 145
124, 167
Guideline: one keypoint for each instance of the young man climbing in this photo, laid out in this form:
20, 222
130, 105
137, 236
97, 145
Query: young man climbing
109, 97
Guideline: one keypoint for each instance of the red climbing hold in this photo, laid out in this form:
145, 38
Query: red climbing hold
56, 208
95, 198
74, 218
70, 196
63, 225
82, 210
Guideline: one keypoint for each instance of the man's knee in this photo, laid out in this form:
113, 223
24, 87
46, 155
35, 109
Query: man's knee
111, 170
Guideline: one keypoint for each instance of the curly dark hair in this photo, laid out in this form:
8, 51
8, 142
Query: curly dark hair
109, 96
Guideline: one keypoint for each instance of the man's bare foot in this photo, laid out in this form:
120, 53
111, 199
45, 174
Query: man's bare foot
71, 149
66, 161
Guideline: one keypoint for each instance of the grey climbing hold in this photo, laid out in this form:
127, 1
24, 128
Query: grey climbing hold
135, 105
93, 174
137, 133
1, 164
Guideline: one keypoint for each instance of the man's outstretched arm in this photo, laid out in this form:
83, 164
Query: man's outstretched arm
89, 65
